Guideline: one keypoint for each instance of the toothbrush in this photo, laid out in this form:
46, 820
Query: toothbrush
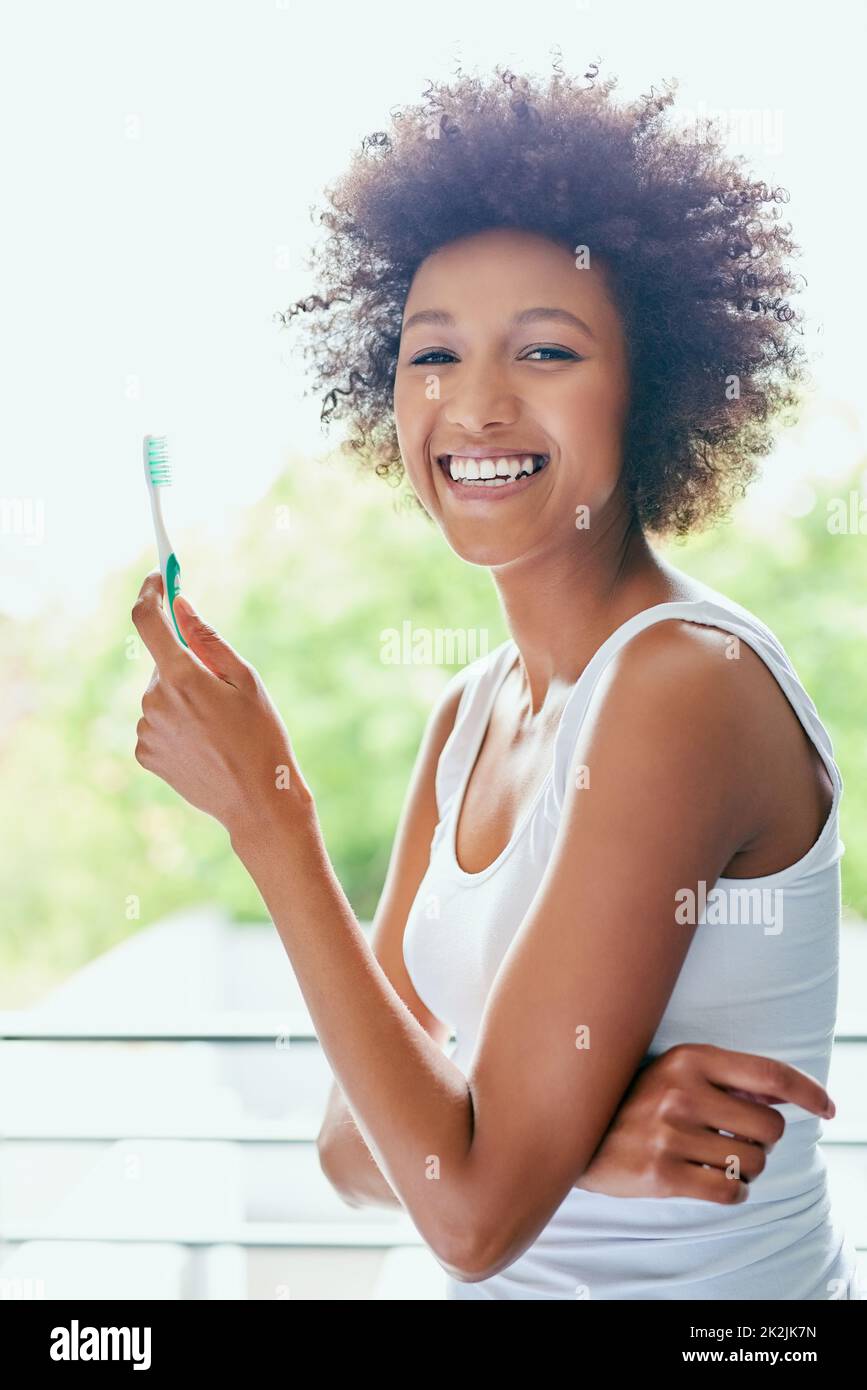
158, 474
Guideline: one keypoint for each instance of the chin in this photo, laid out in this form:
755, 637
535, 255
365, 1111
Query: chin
488, 552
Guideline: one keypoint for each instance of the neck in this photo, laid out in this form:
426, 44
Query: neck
562, 604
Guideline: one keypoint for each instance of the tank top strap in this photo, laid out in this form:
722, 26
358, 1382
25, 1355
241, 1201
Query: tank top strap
481, 680
744, 626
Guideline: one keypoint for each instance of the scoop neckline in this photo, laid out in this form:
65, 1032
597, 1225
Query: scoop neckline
458, 804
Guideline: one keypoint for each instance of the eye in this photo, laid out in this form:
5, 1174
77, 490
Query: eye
559, 355
425, 357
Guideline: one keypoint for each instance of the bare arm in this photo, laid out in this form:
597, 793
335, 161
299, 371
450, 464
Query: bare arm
670, 750
666, 1126
482, 1160
664, 1130
344, 1156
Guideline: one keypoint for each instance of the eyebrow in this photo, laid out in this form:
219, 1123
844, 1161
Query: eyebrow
439, 316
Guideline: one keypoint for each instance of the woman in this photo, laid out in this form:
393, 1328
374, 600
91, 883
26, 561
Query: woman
617, 871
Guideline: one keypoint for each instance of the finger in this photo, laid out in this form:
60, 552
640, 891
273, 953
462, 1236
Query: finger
778, 1081
718, 1151
212, 650
706, 1184
742, 1119
153, 626
752, 1095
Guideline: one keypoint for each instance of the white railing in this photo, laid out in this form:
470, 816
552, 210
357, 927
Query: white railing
158, 1134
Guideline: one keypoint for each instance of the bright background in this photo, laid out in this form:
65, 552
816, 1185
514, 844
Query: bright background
160, 161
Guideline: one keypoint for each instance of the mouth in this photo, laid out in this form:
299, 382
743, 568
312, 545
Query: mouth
496, 476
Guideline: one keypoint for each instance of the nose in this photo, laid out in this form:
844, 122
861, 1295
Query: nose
478, 399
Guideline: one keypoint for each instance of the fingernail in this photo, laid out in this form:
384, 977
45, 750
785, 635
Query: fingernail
831, 1111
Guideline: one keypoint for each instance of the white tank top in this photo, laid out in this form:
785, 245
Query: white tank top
751, 988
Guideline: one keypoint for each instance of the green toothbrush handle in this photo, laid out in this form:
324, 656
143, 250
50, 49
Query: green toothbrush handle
173, 585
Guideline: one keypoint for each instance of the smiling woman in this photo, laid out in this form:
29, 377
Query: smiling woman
456, 396
567, 328
689, 244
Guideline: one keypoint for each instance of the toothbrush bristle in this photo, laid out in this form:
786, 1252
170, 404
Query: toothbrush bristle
158, 460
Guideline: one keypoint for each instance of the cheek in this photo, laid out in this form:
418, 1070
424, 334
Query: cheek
587, 422
414, 417
592, 415
596, 395
403, 419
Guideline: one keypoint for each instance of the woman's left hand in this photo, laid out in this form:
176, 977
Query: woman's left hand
209, 727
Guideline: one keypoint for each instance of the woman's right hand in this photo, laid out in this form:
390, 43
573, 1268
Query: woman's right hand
667, 1126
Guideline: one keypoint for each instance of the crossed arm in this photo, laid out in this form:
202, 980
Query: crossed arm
481, 1162
672, 733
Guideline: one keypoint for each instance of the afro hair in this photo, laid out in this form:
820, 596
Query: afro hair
698, 262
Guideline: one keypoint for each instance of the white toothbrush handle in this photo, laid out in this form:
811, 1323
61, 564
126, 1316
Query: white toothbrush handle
169, 567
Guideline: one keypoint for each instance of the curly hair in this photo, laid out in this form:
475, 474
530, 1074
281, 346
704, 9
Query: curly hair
698, 267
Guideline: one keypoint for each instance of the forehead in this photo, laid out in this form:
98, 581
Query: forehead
500, 272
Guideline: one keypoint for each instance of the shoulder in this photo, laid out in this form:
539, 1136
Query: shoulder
693, 668
675, 723
674, 664
689, 646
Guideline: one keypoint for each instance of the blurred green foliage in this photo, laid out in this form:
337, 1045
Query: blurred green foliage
93, 846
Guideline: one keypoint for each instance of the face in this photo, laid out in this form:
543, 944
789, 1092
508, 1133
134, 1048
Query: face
511, 359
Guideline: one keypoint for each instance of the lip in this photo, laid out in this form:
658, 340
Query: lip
488, 494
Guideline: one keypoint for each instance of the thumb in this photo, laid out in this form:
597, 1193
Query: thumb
207, 644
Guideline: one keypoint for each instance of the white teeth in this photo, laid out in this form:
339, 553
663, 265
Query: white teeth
490, 472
